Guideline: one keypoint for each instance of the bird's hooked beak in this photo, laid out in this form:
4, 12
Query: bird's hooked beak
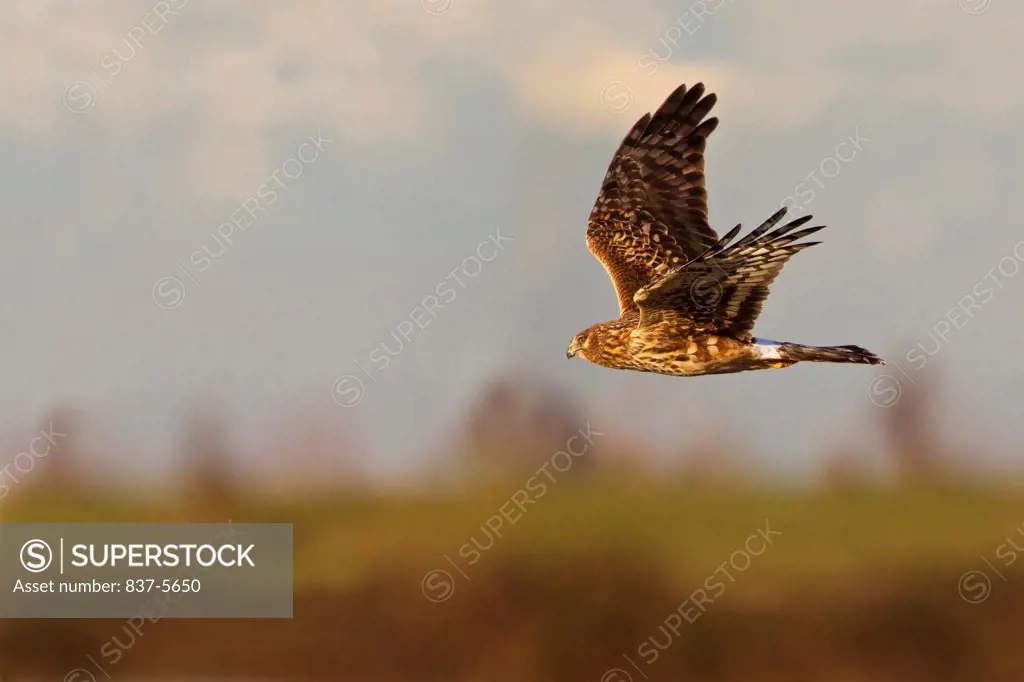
574, 348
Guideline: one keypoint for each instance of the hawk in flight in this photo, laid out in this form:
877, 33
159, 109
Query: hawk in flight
687, 299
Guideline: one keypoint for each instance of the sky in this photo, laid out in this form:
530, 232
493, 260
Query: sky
373, 209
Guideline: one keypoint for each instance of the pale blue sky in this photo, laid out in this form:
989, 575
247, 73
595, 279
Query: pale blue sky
132, 130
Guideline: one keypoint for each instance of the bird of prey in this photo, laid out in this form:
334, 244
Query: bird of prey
687, 299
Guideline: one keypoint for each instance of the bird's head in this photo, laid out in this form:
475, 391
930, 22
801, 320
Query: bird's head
580, 343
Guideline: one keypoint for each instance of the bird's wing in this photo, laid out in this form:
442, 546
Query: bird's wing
722, 290
651, 214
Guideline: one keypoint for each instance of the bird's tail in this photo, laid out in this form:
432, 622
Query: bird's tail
799, 353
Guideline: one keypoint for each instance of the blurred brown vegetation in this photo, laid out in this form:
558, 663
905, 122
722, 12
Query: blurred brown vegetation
863, 584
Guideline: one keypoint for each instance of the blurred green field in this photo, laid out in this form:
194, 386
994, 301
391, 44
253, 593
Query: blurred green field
862, 583
342, 538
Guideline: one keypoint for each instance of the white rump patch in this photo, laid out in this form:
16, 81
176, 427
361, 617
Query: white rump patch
767, 349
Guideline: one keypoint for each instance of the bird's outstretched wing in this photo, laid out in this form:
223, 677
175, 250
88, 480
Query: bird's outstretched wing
723, 289
651, 214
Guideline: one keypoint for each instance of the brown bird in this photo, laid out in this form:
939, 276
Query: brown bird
687, 299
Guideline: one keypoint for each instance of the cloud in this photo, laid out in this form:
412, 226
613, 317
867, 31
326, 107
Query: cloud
904, 57
243, 75
239, 75
604, 94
